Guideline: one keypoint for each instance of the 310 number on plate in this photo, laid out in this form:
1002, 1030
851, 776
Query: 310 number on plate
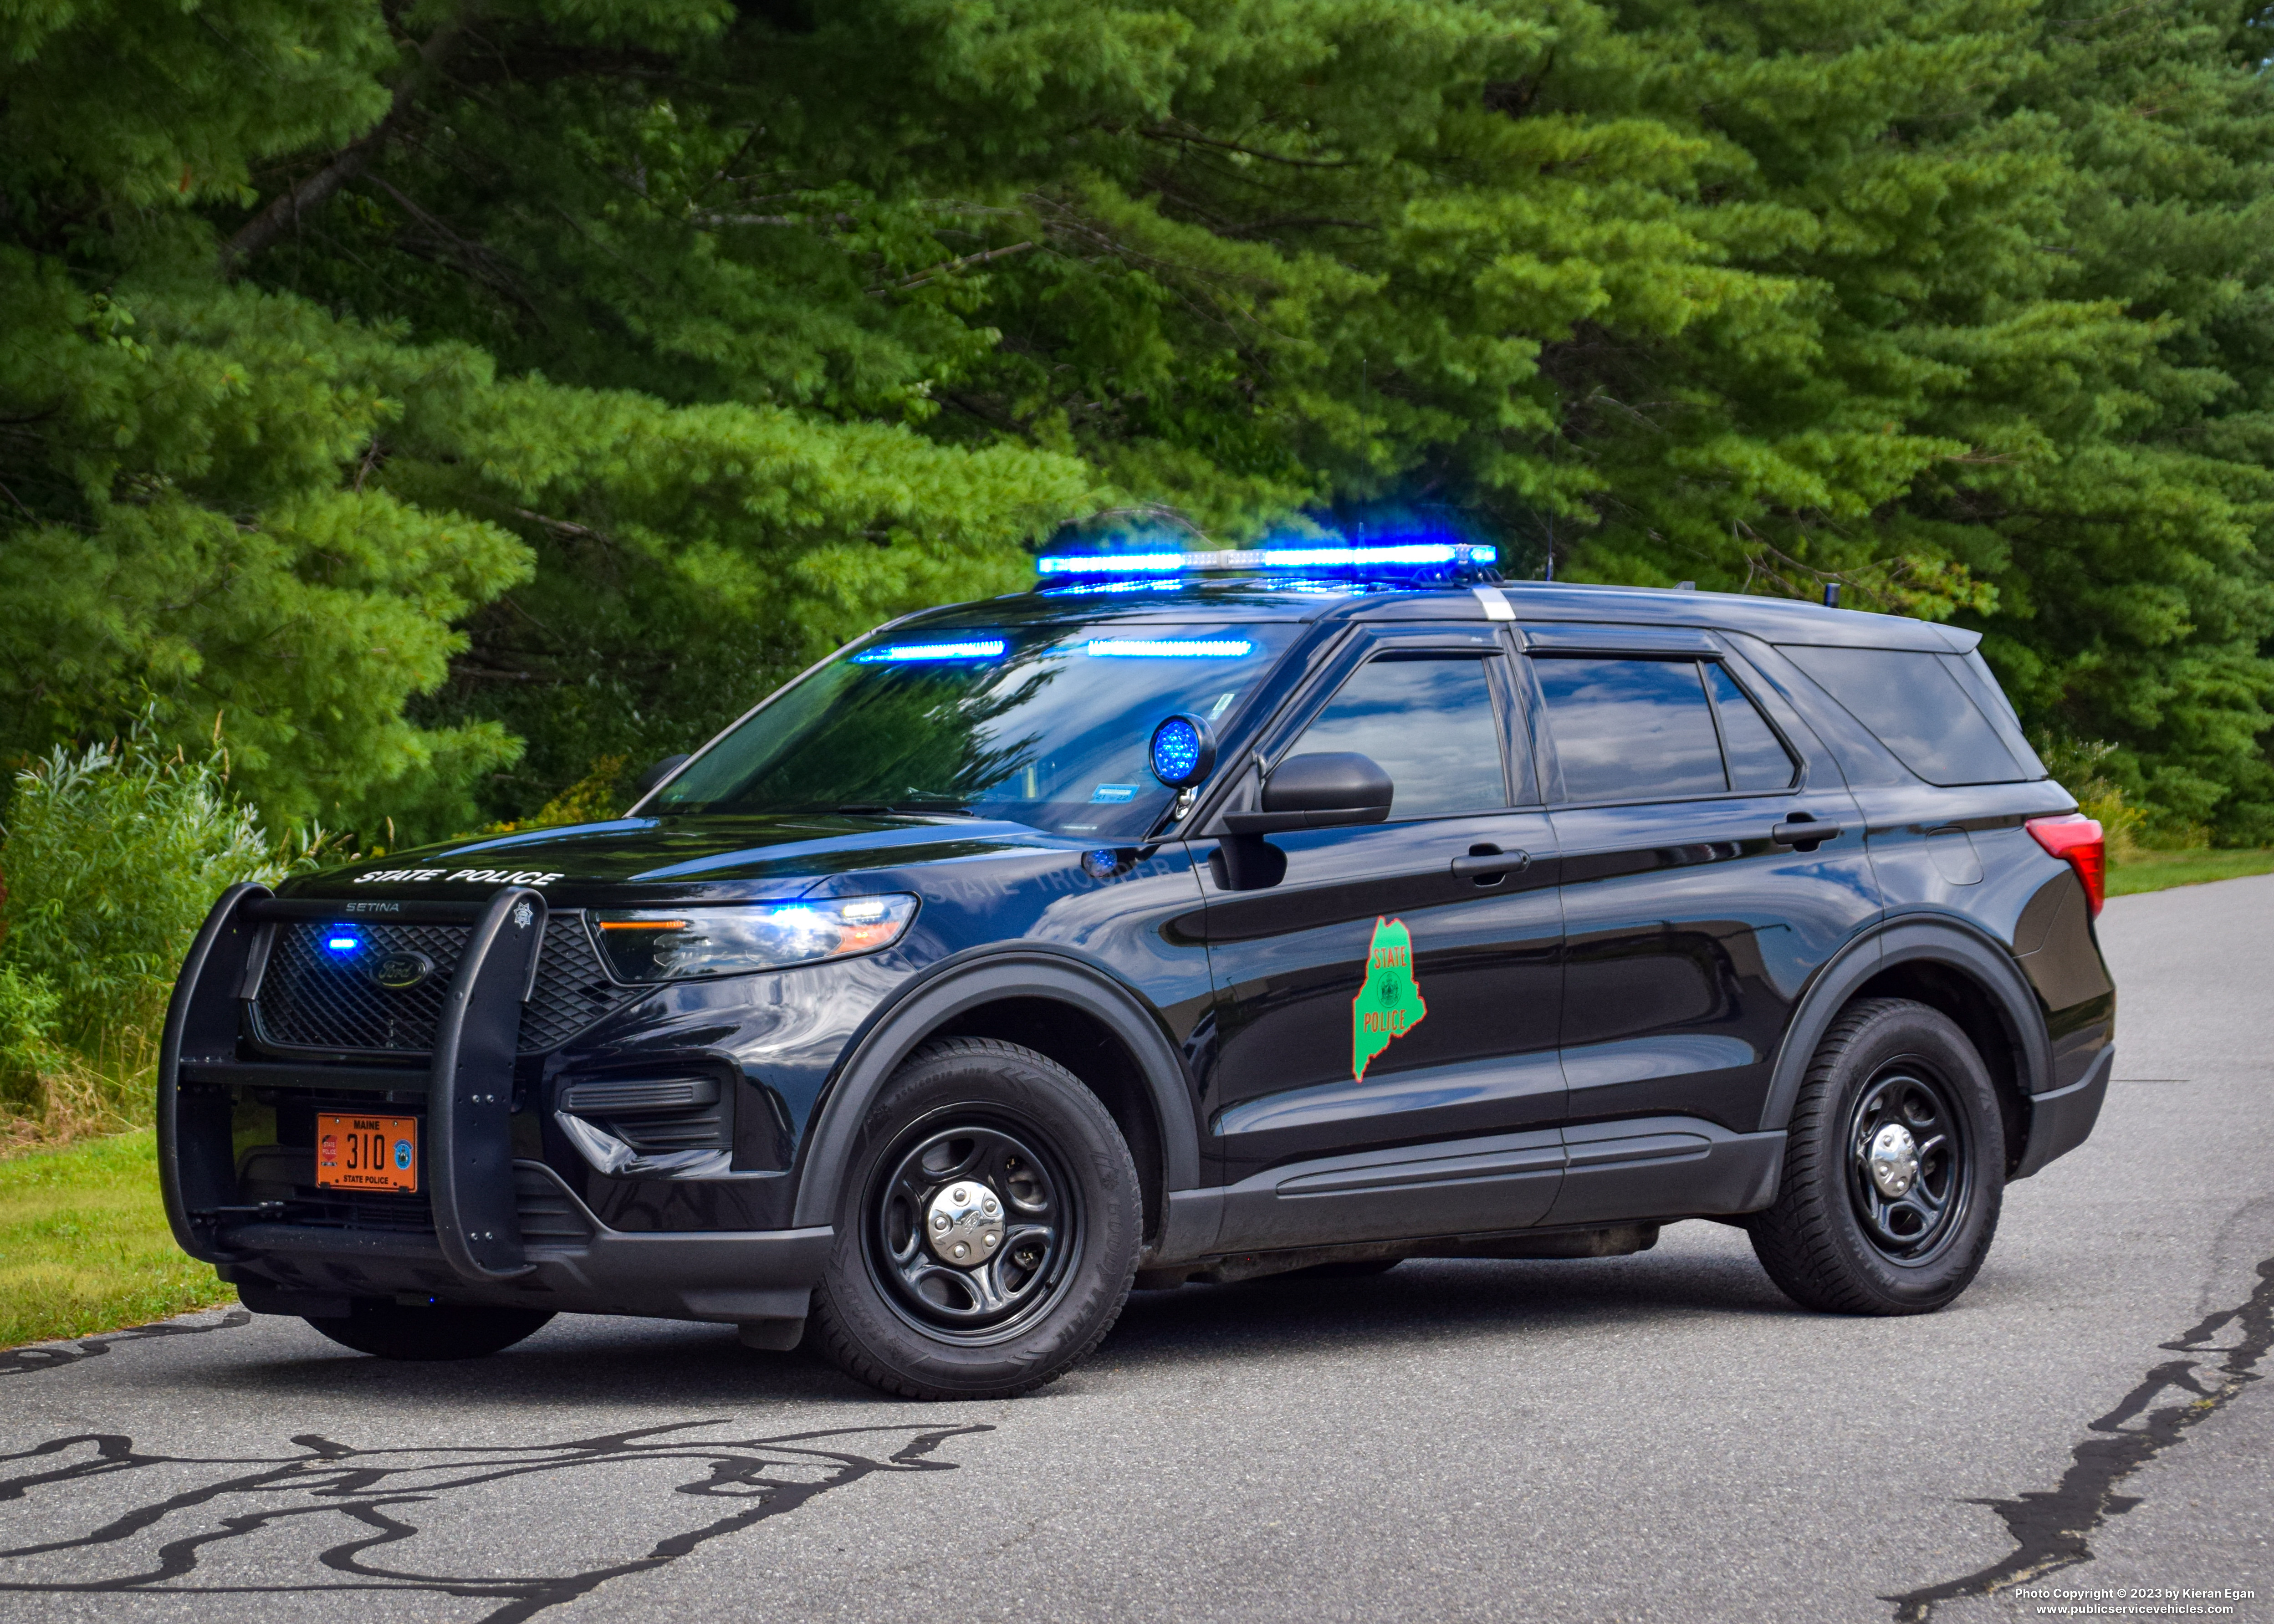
367, 1153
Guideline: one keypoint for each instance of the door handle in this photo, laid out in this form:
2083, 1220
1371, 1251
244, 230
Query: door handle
1486, 861
1805, 833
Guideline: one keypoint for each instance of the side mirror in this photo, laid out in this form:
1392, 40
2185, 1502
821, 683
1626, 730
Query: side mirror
1325, 790
661, 771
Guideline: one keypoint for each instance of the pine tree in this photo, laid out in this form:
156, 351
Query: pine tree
571, 373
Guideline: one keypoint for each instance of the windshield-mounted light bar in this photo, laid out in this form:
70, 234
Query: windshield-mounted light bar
1408, 554
1120, 563
1169, 648
895, 653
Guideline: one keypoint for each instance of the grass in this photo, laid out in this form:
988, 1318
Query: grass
2146, 871
83, 1245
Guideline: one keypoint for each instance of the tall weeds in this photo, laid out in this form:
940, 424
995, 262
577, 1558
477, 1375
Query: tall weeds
113, 855
2080, 767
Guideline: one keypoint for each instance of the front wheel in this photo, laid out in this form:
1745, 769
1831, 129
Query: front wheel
988, 1230
1895, 1168
393, 1332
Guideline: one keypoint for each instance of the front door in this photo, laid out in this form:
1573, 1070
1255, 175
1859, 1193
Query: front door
1397, 990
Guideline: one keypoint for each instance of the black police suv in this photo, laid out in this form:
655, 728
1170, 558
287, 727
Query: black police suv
1138, 930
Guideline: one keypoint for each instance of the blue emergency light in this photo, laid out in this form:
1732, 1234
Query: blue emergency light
343, 944
901, 653
1169, 648
1182, 751
1395, 555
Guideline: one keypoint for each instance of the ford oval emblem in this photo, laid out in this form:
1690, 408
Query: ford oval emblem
398, 971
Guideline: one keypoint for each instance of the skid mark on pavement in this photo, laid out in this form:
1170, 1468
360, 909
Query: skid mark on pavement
2050, 1526
48, 1355
223, 1526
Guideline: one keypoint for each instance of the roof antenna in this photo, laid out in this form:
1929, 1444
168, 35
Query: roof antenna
1832, 595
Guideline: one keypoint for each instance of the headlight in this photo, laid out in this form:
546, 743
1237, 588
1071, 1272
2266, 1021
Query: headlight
677, 944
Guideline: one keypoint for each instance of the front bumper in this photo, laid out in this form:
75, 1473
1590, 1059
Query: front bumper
746, 1277
503, 1232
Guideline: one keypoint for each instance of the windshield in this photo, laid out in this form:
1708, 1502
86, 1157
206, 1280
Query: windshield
1044, 725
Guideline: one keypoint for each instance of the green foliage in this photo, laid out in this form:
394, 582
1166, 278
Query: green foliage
113, 857
81, 823
412, 383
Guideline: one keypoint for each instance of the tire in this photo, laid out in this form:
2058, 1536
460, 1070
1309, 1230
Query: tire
991, 1121
1843, 1238
392, 1331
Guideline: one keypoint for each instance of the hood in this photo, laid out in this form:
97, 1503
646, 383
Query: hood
672, 859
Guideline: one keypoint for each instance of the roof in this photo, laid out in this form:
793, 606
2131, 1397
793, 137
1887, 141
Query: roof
1259, 598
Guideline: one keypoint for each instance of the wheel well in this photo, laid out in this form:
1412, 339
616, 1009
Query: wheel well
1087, 1047
1977, 1014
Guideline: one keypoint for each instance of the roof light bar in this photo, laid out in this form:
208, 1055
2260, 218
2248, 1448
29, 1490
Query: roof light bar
1410, 554
895, 653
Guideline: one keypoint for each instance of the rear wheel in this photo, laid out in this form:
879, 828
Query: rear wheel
1895, 1168
393, 1332
988, 1230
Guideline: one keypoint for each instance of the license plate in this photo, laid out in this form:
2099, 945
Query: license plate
367, 1153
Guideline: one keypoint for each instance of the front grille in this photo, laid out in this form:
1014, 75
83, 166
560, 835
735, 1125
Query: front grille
312, 998
332, 1209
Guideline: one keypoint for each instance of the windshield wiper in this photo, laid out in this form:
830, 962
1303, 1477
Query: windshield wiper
871, 808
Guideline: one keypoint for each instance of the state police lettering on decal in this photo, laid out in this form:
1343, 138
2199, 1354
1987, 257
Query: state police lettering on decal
475, 876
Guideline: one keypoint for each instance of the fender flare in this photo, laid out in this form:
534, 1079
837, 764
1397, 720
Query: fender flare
962, 984
1938, 940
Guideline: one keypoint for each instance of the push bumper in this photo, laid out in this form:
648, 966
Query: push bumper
504, 1231
2062, 1120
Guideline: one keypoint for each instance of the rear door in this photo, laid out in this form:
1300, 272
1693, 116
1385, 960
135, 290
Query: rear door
1374, 1002
1682, 787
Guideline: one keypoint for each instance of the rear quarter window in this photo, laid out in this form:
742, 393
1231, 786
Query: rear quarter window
1921, 706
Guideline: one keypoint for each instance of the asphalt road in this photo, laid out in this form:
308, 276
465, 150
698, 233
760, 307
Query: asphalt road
1660, 1437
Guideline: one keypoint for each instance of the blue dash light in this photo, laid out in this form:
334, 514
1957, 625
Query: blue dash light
1182, 751
900, 653
1169, 648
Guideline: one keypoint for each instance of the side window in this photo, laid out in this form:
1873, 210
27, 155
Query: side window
1428, 721
1915, 706
1630, 728
1757, 759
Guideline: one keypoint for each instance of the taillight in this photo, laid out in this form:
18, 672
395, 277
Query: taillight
2076, 840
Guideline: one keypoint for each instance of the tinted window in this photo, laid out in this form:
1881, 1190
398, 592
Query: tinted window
1918, 709
1629, 728
1428, 723
1973, 674
1757, 759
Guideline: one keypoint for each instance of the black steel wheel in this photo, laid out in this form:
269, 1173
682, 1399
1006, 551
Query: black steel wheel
390, 1331
1894, 1166
988, 1229
972, 1229
1909, 1174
